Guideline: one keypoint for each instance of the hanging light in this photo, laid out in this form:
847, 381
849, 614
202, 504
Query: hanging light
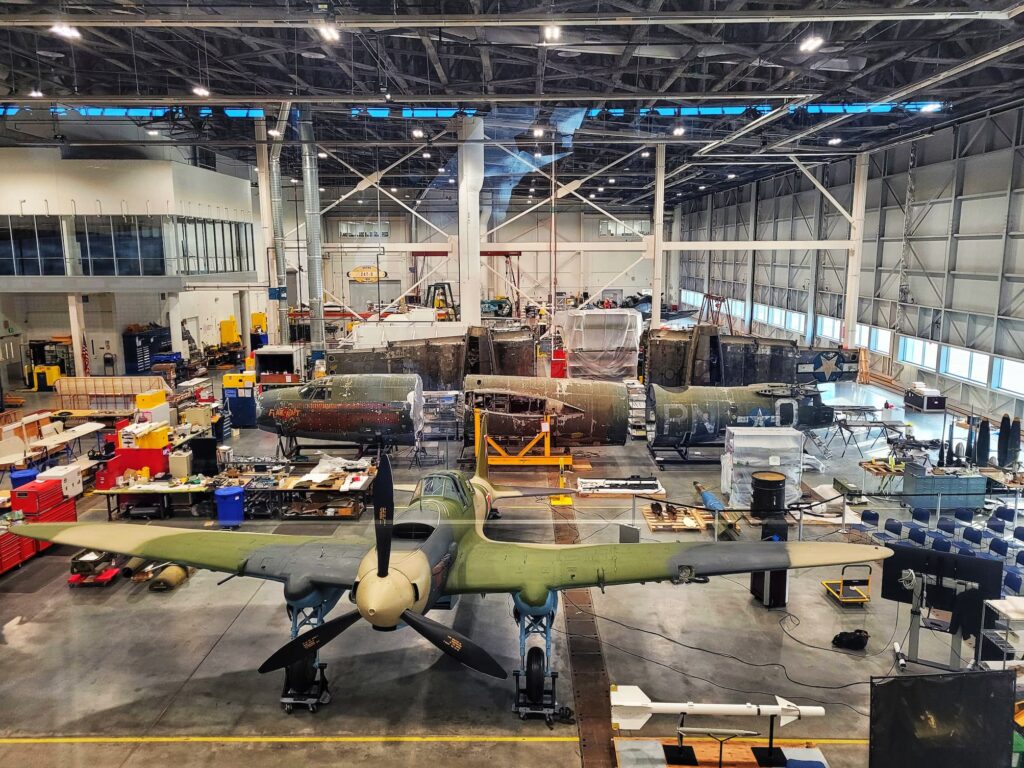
702, 187
645, 154
322, 189
730, 175
322, 155
329, 33
425, 155
201, 91
35, 93
395, 189
551, 33
273, 132
417, 133
811, 44
538, 133
151, 132
835, 141
66, 31
678, 130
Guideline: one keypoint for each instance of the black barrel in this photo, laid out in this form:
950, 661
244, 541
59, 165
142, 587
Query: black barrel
767, 494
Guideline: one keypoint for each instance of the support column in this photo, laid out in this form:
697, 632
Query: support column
244, 318
658, 239
855, 254
314, 262
748, 293
174, 321
815, 256
266, 219
471, 176
672, 265
76, 314
710, 236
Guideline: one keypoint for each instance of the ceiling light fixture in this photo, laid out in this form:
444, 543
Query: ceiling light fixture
702, 187
201, 91
532, 190
361, 202
66, 31
600, 189
645, 154
811, 44
322, 189
294, 181
611, 181
730, 175
835, 141
678, 130
35, 93
552, 33
395, 189
425, 155
328, 33
273, 132
322, 155
417, 133
537, 155
451, 180
538, 132
680, 194
151, 132
592, 195
933, 106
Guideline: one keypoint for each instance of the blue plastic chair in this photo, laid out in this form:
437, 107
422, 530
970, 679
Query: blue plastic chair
917, 536
920, 518
994, 528
868, 522
1006, 514
893, 531
964, 517
942, 545
973, 537
945, 529
964, 551
1012, 583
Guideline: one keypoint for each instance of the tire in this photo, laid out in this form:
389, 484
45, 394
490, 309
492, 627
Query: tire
535, 675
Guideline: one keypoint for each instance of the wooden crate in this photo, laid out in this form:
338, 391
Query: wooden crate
686, 519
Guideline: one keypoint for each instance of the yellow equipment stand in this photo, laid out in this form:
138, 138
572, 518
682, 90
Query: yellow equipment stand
847, 591
561, 500
524, 458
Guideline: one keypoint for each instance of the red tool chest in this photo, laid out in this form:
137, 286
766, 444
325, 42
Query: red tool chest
65, 512
14, 550
37, 496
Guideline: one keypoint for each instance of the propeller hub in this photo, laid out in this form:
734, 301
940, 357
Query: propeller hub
381, 599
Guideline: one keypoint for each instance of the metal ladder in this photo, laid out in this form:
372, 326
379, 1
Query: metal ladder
820, 443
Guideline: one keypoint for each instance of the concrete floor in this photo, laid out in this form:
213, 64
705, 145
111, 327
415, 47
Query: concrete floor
160, 669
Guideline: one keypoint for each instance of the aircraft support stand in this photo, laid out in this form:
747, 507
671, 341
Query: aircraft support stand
305, 681
535, 681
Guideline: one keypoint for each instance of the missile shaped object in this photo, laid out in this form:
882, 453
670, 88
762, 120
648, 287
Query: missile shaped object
631, 708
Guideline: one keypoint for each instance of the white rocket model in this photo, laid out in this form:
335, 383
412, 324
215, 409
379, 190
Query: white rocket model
631, 708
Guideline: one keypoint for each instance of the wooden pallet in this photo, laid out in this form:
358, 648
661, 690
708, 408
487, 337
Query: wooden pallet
735, 754
13, 401
686, 520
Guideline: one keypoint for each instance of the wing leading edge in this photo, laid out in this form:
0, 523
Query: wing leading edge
263, 555
486, 566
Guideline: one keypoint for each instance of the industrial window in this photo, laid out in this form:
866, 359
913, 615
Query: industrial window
918, 352
51, 245
737, 307
623, 228
862, 335
830, 328
26, 247
964, 364
6, 247
777, 317
796, 321
1009, 375
881, 341
126, 246
761, 313
691, 298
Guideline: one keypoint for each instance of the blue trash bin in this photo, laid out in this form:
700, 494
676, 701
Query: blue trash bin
21, 476
230, 506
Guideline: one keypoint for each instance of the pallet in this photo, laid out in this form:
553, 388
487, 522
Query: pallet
693, 521
13, 401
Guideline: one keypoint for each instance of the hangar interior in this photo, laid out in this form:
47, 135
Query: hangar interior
655, 369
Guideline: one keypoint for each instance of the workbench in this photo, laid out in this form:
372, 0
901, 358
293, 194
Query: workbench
266, 495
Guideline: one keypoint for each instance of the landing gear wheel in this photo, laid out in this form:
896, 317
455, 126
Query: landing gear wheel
287, 708
535, 675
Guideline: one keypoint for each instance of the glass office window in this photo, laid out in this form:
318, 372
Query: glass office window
101, 245
51, 245
126, 245
6, 247
26, 247
151, 245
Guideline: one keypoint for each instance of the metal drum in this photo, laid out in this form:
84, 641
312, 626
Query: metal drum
768, 494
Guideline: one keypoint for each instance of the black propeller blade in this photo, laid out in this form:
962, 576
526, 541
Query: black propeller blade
459, 647
383, 513
308, 642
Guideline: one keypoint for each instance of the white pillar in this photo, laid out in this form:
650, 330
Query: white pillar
266, 219
76, 315
658, 236
853, 260
174, 322
244, 318
471, 177
672, 261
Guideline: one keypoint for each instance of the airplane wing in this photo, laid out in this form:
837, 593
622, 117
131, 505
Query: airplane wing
532, 570
320, 559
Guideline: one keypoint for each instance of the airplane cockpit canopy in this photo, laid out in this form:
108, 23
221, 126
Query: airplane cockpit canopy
316, 390
444, 486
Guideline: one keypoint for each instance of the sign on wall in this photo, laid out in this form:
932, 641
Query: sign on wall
367, 274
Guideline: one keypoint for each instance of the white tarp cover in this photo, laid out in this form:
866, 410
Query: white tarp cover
754, 449
602, 343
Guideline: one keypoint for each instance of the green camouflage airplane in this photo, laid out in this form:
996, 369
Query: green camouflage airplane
436, 551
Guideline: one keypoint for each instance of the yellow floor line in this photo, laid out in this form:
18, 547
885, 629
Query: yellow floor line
370, 739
